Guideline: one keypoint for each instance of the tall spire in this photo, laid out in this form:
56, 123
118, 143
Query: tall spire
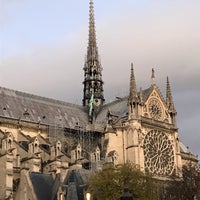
92, 51
169, 99
93, 84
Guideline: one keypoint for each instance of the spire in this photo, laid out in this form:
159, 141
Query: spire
92, 52
170, 104
93, 84
133, 90
133, 100
169, 99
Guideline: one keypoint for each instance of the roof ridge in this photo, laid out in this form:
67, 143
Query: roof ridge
118, 99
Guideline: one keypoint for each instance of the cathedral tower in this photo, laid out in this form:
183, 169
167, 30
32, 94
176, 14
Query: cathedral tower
93, 85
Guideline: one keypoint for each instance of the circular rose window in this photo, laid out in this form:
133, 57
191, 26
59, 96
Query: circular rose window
158, 153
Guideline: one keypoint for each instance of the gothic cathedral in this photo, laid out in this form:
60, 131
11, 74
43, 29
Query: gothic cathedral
52, 143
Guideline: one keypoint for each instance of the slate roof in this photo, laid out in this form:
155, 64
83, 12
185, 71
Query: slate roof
15, 104
119, 107
80, 176
76, 180
55, 187
186, 153
42, 184
183, 148
33, 108
72, 192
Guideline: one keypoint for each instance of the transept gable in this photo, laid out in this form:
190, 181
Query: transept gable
155, 106
154, 92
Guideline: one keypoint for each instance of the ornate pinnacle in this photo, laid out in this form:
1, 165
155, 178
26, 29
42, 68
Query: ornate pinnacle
133, 89
169, 99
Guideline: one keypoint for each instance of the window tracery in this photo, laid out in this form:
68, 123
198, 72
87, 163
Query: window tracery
158, 153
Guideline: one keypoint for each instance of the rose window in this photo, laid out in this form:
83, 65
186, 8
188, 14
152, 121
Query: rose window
158, 153
155, 109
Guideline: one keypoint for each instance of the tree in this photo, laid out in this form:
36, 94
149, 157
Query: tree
185, 188
109, 183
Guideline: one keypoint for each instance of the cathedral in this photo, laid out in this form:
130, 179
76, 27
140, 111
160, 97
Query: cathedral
49, 147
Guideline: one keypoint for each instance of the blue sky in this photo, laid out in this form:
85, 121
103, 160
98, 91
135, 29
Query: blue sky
40, 37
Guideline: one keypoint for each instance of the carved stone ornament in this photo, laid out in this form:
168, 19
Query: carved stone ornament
158, 153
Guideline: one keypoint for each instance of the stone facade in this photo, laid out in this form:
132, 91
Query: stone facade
151, 142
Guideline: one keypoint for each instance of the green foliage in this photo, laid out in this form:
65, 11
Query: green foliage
109, 183
185, 188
